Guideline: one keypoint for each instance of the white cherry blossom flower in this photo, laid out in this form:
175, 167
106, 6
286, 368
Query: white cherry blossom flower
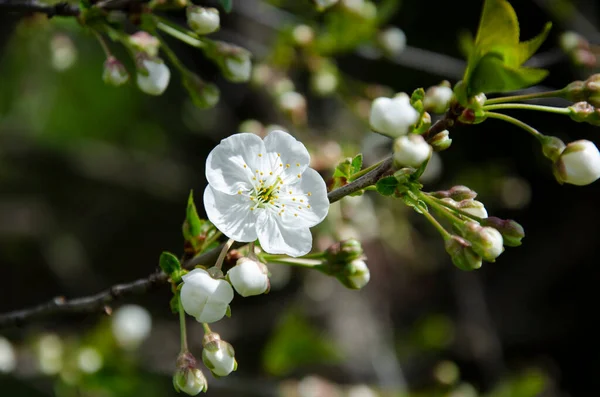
578, 164
265, 190
205, 298
393, 116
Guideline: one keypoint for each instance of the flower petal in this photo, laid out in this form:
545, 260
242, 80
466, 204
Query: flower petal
292, 151
225, 169
307, 204
231, 214
275, 238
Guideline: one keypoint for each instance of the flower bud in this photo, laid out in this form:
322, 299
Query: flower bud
437, 98
393, 41
462, 253
571, 41
131, 325
356, 274
486, 241
188, 378
218, 355
552, 147
512, 232
583, 112
456, 193
8, 357
411, 151
114, 72
323, 4
204, 297
440, 141
153, 75
63, 52
203, 20
344, 251
303, 35
144, 42
393, 116
473, 207
203, 95
324, 82
249, 277
578, 164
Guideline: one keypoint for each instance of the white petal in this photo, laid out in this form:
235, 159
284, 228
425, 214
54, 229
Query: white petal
292, 152
231, 214
225, 170
275, 238
312, 209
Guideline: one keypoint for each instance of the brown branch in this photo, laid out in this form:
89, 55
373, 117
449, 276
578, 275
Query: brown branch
100, 301
62, 9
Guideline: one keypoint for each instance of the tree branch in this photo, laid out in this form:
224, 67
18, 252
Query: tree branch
62, 9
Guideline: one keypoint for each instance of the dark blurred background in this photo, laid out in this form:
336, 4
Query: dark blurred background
94, 181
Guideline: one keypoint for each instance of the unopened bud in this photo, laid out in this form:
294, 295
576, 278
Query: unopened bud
344, 251
188, 378
249, 277
393, 116
456, 193
152, 75
218, 355
571, 41
578, 164
486, 241
114, 72
462, 253
411, 151
204, 95
355, 275
471, 207
512, 232
437, 98
144, 42
203, 20
440, 141
393, 41
552, 147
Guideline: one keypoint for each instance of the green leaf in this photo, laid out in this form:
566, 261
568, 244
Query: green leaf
387, 186
174, 304
498, 26
192, 227
357, 162
527, 48
493, 75
169, 263
227, 5
344, 169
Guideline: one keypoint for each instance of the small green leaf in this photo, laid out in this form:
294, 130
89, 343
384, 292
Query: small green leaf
227, 5
527, 48
357, 162
387, 186
417, 95
344, 169
174, 304
169, 263
493, 75
192, 227
498, 26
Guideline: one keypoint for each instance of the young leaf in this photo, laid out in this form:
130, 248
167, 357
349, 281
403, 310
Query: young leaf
493, 75
387, 186
192, 227
357, 163
169, 263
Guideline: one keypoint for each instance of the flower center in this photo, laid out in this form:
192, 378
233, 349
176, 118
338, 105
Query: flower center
263, 195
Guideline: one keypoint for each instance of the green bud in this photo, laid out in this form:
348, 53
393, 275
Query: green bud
114, 72
218, 355
552, 147
188, 378
440, 141
203, 95
462, 254
512, 232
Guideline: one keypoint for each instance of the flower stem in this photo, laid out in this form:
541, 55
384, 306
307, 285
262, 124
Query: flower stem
171, 55
428, 198
177, 33
436, 224
292, 261
526, 106
206, 328
516, 122
524, 97
182, 328
366, 170
442, 210
103, 43
223, 253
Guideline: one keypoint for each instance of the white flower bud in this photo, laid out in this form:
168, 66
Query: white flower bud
473, 207
203, 20
393, 116
249, 277
393, 41
238, 68
144, 42
153, 76
218, 355
323, 4
358, 275
578, 164
486, 241
131, 325
204, 297
437, 99
8, 358
411, 151
114, 72
191, 381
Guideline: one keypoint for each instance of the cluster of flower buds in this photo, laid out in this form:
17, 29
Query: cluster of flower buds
345, 261
578, 49
462, 198
584, 91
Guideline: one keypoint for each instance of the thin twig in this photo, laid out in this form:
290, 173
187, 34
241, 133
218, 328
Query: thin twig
62, 9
